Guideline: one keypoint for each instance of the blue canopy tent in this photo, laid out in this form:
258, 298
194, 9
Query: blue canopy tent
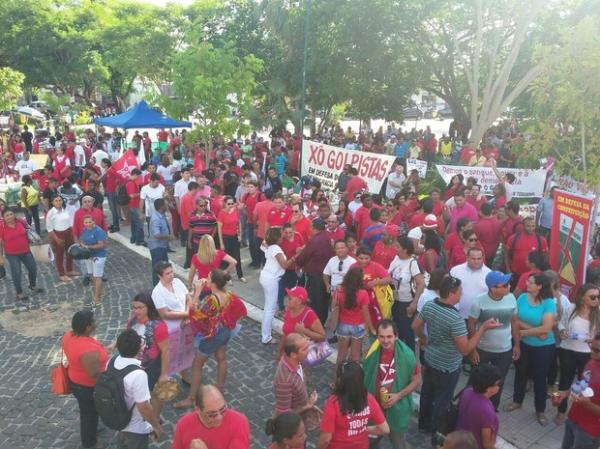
141, 116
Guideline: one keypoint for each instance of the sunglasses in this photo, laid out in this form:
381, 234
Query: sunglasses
594, 297
295, 211
473, 240
215, 414
229, 204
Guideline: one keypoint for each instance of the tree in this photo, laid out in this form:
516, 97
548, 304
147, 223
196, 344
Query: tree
10, 87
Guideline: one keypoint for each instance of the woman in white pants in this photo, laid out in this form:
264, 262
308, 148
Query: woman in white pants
270, 275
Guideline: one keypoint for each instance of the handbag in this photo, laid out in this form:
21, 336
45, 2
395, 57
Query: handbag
59, 377
317, 353
42, 253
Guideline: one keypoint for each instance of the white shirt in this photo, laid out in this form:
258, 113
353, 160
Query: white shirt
353, 206
175, 302
80, 156
135, 386
181, 188
510, 191
25, 167
332, 270
473, 285
272, 267
402, 271
578, 330
99, 155
165, 172
148, 194
391, 191
58, 220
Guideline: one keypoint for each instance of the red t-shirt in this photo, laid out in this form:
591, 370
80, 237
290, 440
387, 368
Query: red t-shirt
336, 235
186, 206
383, 254
203, 269
356, 184
161, 333
277, 218
387, 370
251, 201
110, 181
416, 220
586, 420
477, 202
523, 246
216, 204
261, 211
354, 315
350, 431
74, 347
511, 226
488, 230
289, 246
80, 214
162, 136
522, 283
362, 221
303, 227
452, 240
14, 238
18, 148
229, 222
132, 188
306, 317
422, 259
372, 271
233, 433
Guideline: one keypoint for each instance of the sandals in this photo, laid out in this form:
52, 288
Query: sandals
65, 279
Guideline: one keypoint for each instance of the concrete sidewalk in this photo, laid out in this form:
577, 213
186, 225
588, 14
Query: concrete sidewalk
518, 429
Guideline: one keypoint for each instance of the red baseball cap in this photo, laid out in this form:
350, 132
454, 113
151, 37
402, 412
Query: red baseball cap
430, 222
298, 292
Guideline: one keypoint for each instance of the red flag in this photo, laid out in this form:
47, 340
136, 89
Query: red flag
125, 164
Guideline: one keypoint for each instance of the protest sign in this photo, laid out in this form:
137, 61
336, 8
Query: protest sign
571, 185
528, 210
417, 164
181, 350
569, 238
528, 183
325, 162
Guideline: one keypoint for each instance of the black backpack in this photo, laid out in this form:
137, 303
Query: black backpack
511, 250
109, 396
122, 196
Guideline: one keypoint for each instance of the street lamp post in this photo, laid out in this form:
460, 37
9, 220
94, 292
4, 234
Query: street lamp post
306, 28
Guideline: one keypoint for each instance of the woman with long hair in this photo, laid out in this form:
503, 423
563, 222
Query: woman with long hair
208, 258
432, 245
579, 323
214, 320
155, 354
287, 431
344, 215
536, 310
456, 184
230, 232
354, 320
349, 410
58, 225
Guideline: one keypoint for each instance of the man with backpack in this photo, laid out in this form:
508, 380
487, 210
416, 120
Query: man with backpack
518, 247
122, 396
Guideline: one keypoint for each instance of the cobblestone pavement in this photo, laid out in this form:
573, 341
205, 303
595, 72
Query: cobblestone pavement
32, 417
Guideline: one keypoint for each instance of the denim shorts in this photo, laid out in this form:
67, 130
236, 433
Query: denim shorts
207, 347
355, 331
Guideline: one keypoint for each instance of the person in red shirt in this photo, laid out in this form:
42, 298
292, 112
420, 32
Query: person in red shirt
261, 215
137, 219
280, 214
582, 428
145, 178
488, 229
248, 203
87, 208
301, 223
385, 249
476, 198
291, 244
349, 428
536, 262
362, 220
230, 233
513, 222
334, 230
110, 180
207, 259
216, 199
18, 148
518, 247
355, 184
186, 207
213, 423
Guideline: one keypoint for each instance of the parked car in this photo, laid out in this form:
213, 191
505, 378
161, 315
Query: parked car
412, 113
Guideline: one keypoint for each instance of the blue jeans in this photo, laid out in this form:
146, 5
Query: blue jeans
157, 255
252, 245
114, 211
137, 226
33, 213
536, 360
88, 417
244, 225
575, 438
14, 261
436, 394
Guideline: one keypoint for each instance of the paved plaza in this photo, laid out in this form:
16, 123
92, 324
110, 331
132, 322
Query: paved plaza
32, 417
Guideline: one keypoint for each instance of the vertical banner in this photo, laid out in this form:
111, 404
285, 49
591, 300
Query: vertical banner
569, 238
181, 350
325, 162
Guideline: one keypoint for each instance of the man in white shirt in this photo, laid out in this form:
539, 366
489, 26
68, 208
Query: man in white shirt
180, 188
80, 155
25, 166
99, 155
150, 192
472, 274
394, 182
337, 267
144, 419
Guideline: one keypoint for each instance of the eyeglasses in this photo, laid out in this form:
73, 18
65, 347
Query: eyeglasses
473, 240
213, 415
229, 204
295, 211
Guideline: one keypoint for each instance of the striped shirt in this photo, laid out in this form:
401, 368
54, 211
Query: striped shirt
290, 390
201, 225
444, 323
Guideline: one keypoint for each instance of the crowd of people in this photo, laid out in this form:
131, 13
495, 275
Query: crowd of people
433, 282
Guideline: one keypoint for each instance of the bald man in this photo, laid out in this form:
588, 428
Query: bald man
212, 425
291, 394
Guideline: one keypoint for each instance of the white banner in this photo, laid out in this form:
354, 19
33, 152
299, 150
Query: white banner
570, 185
528, 210
325, 162
528, 183
416, 164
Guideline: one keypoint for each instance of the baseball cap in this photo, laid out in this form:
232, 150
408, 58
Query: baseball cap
297, 292
494, 278
392, 230
430, 222
415, 233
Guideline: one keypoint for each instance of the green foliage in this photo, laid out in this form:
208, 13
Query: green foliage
10, 87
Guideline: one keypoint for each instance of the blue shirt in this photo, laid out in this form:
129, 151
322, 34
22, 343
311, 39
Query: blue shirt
533, 315
158, 226
92, 237
545, 209
401, 149
280, 161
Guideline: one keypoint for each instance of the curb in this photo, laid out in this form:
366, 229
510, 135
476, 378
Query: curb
256, 313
